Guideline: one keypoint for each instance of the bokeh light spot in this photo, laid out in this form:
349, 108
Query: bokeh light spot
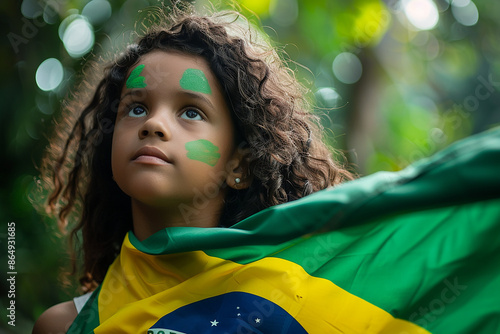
328, 97
422, 14
77, 35
371, 23
49, 74
459, 3
97, 11
347, 67
465, 13
259, 7
31, 9
50, 14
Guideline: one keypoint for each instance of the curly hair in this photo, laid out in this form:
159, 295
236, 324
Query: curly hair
286, 157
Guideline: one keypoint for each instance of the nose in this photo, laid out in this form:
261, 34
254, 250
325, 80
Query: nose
155, 126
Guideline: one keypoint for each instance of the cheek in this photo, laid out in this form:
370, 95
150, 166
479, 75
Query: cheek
206, 180
204, 151
227, 149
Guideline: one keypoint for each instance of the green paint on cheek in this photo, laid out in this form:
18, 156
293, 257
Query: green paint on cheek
135, 80
204, 151
195, 80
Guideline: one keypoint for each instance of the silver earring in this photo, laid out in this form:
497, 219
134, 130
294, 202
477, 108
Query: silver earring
237, 180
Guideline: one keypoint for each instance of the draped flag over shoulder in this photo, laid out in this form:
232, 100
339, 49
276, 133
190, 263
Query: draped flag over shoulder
415, 251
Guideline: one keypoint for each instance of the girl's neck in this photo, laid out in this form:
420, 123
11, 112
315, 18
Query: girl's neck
148, 220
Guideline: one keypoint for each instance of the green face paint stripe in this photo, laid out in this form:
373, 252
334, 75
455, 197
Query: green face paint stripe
195, 80
135, 80
203, 150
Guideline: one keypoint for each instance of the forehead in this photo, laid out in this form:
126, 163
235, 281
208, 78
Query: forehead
174, 58
173, 65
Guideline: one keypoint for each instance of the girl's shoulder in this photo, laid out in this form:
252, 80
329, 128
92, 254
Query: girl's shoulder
56, 319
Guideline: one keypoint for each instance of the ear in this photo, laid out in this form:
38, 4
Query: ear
238, 176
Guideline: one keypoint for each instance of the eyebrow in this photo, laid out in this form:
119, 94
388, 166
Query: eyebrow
198, 97
191, 94
130, 92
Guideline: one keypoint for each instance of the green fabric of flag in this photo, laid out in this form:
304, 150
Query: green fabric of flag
422, 244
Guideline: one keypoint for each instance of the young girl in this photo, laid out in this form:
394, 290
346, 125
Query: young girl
198, 125
189, 136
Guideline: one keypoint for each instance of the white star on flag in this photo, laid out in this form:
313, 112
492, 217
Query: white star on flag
257, 321
214, 323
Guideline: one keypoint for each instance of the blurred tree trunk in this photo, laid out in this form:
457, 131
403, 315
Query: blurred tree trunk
363, 114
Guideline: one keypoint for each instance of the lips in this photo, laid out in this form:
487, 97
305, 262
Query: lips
150, 155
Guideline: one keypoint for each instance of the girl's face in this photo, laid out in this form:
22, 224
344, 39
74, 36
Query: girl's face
173, 138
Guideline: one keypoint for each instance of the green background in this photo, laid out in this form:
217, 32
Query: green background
419, 90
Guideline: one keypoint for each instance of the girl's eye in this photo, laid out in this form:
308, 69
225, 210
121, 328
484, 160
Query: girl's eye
192, 114
137, 111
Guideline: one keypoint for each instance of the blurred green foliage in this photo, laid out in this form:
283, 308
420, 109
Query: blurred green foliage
415, 92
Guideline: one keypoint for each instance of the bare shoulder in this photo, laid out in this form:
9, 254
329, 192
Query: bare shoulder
56, 319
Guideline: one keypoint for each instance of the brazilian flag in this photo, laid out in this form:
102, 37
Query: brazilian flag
414, 251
